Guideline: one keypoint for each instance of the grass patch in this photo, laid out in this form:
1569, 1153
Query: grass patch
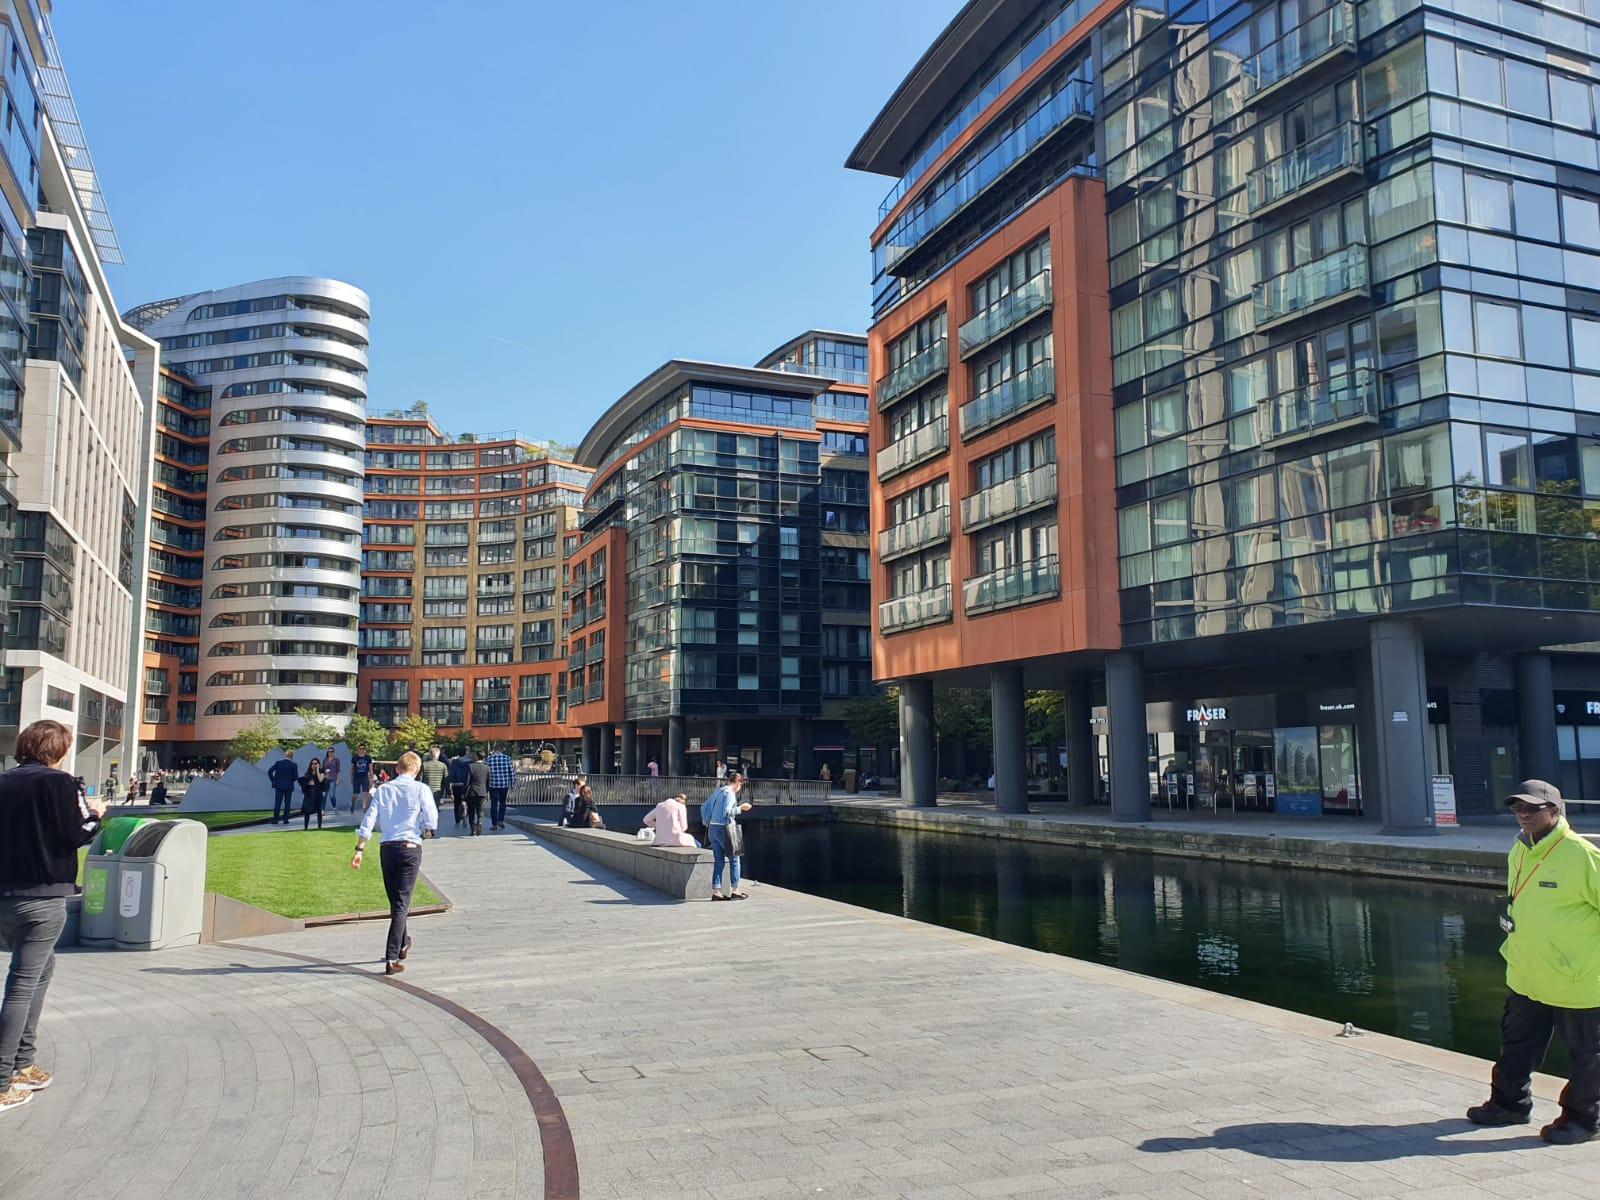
215, 821
304, 874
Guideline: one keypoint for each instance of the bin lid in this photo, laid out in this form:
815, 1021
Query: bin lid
147, 838
115, 832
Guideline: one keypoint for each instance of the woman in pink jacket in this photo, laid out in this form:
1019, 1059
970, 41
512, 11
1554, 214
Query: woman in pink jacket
670, 820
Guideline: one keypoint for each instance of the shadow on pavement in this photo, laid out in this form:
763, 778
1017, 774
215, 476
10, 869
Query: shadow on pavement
1301, 1141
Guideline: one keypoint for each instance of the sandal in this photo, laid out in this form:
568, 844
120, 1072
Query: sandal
718, 896
739, 896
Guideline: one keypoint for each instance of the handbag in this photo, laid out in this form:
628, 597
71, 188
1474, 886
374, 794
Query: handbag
734, 840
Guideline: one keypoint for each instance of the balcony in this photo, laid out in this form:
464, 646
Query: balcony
1020, 583
913, 373
826, 410
1329, 280
909, 536
576, 659
1012, 497
833, 493
1016, 395
595, 691
1298, 53
595, 653
919, 445
1026, 300
909, 612
1325, 407
842, 374
1306, 169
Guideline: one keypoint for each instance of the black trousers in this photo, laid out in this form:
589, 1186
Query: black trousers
282, 798
474, 811
1526, 1028
401, 861
458, 793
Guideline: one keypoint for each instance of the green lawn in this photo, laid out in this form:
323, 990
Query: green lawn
300, 873
214, 821
297, 874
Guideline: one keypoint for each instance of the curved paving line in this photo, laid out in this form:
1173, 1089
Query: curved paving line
555, 1135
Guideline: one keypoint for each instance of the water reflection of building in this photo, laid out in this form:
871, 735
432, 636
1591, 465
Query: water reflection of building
1338, 424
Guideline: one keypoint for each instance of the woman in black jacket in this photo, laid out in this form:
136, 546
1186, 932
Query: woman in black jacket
44, 818
313, 792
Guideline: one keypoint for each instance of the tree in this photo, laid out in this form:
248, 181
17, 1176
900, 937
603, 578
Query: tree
961, 713
414, 732
874, 720
363, 730
462, 739
1044, 718
255, 740
315, 728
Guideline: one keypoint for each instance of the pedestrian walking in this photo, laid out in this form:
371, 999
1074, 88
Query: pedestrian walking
283, 775
111, 788
44, 819
1552, 951
313, 793
501, 776
826, 774
435, 774
720, 814
477, 793
331, 770
460, 767
653, 767
360, 778
403, 812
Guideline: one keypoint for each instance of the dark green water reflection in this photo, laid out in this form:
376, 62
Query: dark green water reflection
1417, 960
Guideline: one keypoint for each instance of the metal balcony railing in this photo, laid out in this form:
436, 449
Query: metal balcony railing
1025, 300
913, 373
917, 446
1300, 51
1329, 280
1305, 169
1017, 394
1009, 498
1334, 403
1020, 583
925, 530
923, 608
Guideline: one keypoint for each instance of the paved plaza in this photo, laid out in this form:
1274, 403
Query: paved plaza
783, 1047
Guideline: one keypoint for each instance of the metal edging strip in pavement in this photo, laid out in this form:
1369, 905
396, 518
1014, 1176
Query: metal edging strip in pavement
555, 1135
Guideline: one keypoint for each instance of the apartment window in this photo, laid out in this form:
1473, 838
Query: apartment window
1016, 459
1015, 271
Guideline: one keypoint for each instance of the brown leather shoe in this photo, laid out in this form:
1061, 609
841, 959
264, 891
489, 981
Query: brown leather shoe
393, 968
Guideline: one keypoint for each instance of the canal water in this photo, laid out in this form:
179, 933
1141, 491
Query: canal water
1416, 960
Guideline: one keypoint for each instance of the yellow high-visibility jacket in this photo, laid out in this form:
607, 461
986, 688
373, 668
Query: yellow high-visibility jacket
1553, 953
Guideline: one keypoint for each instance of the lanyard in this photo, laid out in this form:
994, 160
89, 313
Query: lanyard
1528, 878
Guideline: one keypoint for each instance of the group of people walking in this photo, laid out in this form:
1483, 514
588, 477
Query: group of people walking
319, 786
471, 781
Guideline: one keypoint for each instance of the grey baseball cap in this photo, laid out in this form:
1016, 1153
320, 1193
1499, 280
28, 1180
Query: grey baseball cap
1537, 791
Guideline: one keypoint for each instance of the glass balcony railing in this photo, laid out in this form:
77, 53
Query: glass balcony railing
1022, 391
1020, 583
1331, 32
1019, 494
1016, 306
1303, 170
1322, 407
842, 374
919, 531
908, 612
825, 410
917, 446
914, 372
1328, 280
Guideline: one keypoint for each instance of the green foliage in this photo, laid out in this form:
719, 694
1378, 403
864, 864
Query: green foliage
364, 730
961, 713
255, 740
415, 732
874, 720
315, 728
463, 739
1044, 718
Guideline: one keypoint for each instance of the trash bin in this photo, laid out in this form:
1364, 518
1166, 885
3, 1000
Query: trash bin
850, 779
161, 893
102, 870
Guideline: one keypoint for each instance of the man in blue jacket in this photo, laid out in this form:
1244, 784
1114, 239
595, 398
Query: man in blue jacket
283, 774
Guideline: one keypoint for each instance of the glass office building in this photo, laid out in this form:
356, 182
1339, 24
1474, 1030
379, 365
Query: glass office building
1351, 265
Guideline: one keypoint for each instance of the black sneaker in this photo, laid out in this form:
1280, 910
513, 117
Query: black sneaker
1562, 1132
1495, 1115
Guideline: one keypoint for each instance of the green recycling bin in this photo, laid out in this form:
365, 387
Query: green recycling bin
102, 870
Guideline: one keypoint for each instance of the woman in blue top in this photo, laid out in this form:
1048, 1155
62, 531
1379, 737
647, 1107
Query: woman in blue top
720, 813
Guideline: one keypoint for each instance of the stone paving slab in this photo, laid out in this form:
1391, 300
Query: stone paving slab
782, 1047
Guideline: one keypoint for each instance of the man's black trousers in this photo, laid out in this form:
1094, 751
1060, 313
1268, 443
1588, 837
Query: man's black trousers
401, 861
1526, 1028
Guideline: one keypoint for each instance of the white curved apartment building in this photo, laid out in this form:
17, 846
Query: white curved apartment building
286, 362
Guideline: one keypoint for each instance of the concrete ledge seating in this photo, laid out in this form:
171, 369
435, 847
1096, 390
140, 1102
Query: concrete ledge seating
681, 873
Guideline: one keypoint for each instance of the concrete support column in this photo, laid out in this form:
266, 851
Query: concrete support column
677, 746
805, 766
1080, 742
630, 747
722, 741
1536, 719
591, 749
1010, 739
918, 784
606, 750
1399, 707
1130, 747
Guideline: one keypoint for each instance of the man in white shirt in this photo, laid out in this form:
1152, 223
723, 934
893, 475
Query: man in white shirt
402, 811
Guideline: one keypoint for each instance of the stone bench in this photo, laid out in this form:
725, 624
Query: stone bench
681, 873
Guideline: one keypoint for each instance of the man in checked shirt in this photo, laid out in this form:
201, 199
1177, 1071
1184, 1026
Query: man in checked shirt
501, 776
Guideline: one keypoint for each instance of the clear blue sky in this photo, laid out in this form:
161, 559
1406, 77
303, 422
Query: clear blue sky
544, 200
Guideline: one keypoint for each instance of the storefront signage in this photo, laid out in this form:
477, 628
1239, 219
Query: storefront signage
1592, 707
1344, 706
1202, 714
1270, 782
1400, 717
694, 745
1444, 800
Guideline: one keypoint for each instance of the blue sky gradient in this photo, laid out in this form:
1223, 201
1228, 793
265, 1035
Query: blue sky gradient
545, 201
